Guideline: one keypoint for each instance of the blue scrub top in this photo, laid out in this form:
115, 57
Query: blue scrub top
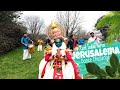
26, 41
81, 41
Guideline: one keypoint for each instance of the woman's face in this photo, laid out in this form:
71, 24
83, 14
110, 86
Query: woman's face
73, 37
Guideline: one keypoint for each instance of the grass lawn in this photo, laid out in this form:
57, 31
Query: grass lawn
13, 67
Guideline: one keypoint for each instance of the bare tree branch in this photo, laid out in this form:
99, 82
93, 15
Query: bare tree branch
71, 20
35, 24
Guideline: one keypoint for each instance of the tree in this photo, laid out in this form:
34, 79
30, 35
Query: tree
35, 25
103, 29
10, 30
70, 20
112, 22
9, 16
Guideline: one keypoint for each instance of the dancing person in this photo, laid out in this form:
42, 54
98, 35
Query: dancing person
40, 42
81, 41
57, 62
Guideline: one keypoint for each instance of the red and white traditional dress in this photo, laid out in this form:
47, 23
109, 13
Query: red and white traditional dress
56, 68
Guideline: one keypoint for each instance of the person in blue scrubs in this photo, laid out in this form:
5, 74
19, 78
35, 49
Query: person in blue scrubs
25, 40
81, 41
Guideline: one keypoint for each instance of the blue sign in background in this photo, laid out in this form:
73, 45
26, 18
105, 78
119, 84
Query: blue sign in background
101, 61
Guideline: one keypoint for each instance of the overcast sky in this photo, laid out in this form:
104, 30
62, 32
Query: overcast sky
89, 17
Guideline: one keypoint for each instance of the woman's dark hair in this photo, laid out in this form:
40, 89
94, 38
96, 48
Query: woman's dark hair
71, 36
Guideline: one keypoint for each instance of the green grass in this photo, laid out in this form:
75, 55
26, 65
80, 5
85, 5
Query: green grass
13, 67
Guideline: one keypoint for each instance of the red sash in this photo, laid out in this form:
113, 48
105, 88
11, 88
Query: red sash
74, 43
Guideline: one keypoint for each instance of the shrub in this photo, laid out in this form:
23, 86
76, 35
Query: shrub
10, 35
